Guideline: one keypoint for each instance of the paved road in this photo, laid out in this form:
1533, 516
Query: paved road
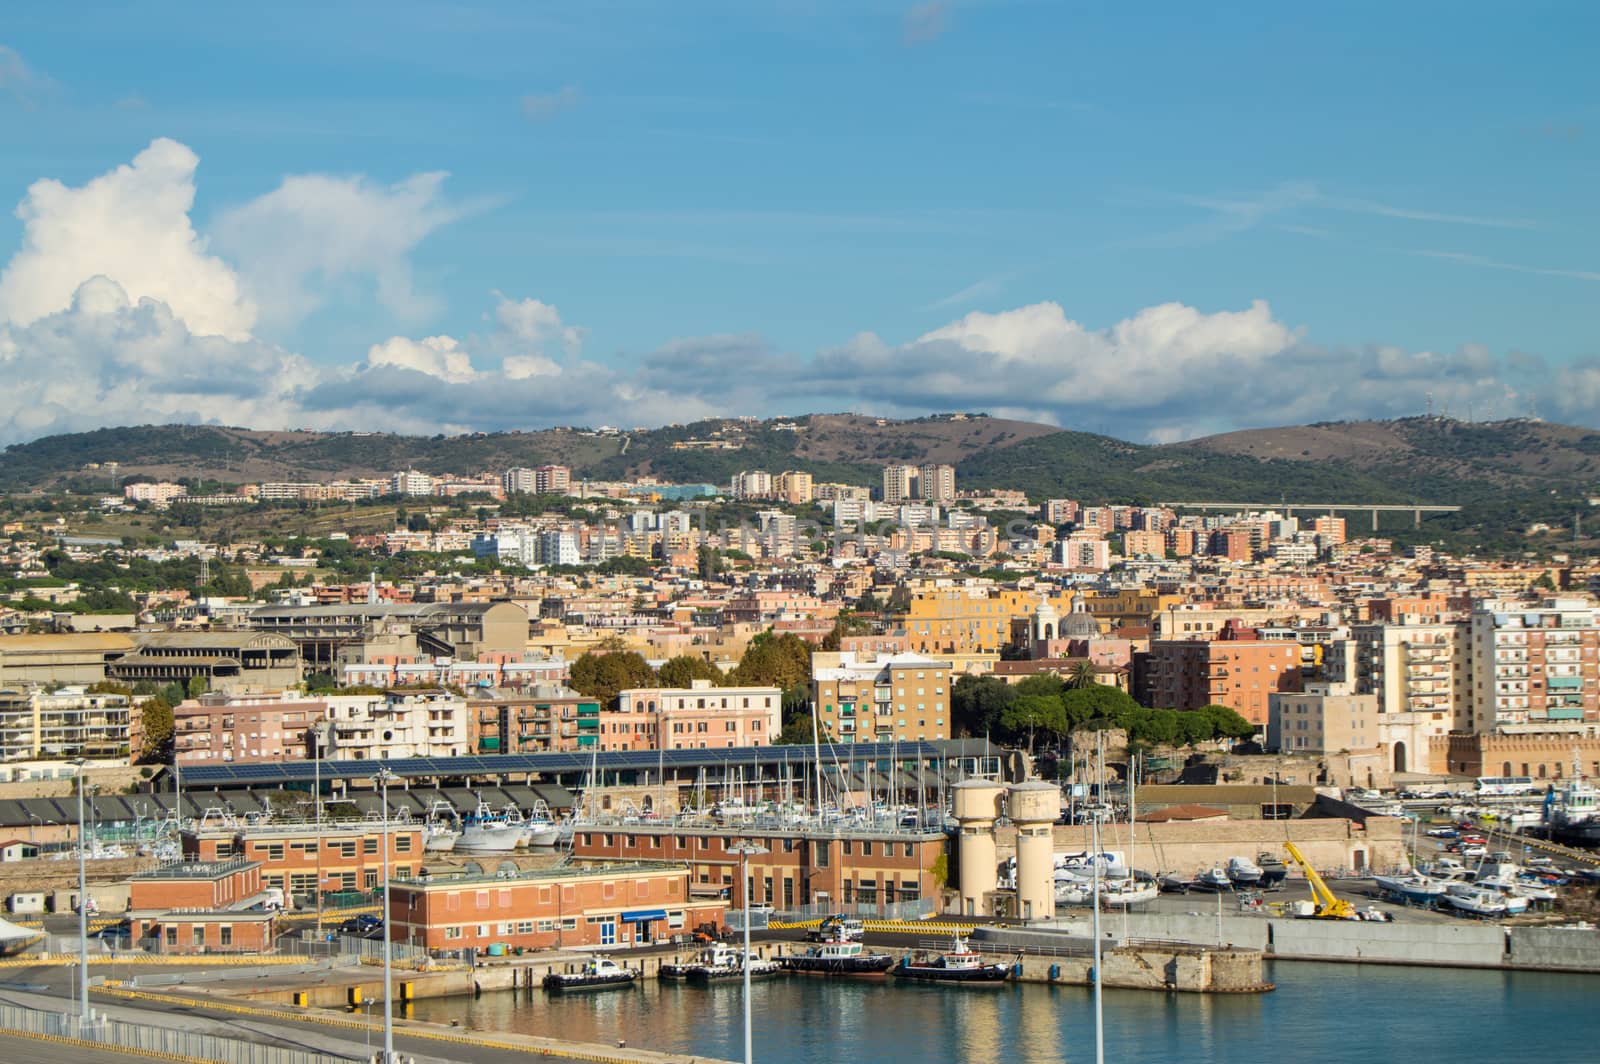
18, 1048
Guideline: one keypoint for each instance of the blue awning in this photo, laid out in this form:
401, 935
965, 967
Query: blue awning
644, 916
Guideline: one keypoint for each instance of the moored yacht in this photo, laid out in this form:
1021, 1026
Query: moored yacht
1413, 888
836, 957
486, 831
1212, 880
1243, 872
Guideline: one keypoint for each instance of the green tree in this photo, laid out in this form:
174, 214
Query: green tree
1032, 713
796, 730
1082, 674
198, 685
1096, 703
1226, 723
770, 660
682, 670
604, 676
156, 723
977, 703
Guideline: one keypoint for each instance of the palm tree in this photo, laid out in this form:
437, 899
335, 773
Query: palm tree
1082, 674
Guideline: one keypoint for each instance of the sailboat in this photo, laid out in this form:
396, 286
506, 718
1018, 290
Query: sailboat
1127, 890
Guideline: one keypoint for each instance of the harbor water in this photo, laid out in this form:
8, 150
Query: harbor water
1320, 1014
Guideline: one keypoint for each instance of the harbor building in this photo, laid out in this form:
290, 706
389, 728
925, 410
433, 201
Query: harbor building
286, 854
602, 903
202, 907
800, 868
226, 661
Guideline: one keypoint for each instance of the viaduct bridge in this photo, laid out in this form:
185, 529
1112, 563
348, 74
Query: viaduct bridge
1288, 508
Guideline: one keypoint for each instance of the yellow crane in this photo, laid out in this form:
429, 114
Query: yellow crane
1328, 906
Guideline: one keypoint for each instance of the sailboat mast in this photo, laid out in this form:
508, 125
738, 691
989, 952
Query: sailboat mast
1099, 976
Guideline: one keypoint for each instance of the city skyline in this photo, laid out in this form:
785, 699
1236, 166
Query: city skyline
514, 218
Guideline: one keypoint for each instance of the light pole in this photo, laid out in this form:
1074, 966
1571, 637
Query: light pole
34, 820
83, 909
746, 850
383, 777
316, 805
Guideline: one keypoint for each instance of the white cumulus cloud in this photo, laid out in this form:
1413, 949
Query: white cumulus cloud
314, 230
437, 356
132, 226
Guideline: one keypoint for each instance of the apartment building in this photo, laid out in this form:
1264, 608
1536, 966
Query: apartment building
751, 484
899, 696
699, 717
899, 484
1411, 668
962, 620
1534, 664
547, 718
1323, 719
219, 729
795, 487
1237, 669
937, 484
40, 725
552, 480
405, 722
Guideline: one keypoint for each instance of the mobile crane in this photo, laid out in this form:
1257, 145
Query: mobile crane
1328, 907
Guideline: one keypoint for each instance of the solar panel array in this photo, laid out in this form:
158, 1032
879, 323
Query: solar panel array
562, 763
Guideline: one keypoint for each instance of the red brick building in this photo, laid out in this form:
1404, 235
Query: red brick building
352, 855
606, 904
202, 907
859, 868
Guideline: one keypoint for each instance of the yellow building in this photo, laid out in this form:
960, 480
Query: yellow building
972, 619
1130, 608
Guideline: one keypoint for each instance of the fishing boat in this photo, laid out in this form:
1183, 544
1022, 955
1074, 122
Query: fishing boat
1213, 880
597, 973
839, 957
1412, 888
486, 831
439, 832
1273, 870
960, 965
1243, 872
1572, 812
721, 963
539, 828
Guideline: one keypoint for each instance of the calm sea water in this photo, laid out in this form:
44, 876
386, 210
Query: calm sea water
1320, 1014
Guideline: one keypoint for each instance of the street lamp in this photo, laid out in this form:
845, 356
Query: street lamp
316, 799
34, 821
383, 777
746, 850
83, 908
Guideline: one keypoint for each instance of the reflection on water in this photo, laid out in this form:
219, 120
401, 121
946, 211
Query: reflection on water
1321, 1014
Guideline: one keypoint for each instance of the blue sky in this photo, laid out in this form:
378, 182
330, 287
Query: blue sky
1158, 224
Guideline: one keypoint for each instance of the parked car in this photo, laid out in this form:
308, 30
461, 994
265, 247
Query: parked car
1473, 850
1444, 833
360, 925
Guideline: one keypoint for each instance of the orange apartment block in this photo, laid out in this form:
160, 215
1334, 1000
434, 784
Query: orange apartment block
286, 854
201, 907
799, 868
603, 904
1237, 670
900, 696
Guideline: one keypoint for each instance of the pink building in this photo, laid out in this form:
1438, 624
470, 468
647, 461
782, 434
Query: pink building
212, 729
701, 717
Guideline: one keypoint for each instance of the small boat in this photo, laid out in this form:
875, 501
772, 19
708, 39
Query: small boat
721, 963
1213, 880
540, 827
1243, 872
960, 966
1474, 901
1174, 883
1127, 891
839, 957
597, 973
1071, 891
14, 938
1413, 888
1273, 871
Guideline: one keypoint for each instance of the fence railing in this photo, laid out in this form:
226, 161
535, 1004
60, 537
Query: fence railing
349, 947
176, 1043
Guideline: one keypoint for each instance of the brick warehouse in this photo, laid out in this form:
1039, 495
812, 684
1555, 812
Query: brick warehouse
610, 903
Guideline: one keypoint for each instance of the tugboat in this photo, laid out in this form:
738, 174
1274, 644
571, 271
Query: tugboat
960, 965
837, 957
597, 973
720, 963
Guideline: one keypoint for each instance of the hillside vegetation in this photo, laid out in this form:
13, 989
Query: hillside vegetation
1507, 474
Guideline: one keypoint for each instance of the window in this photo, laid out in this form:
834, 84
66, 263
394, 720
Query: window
402, 844
370, 878
347, 849
197, 935
369, 845
226, 935
172, 936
